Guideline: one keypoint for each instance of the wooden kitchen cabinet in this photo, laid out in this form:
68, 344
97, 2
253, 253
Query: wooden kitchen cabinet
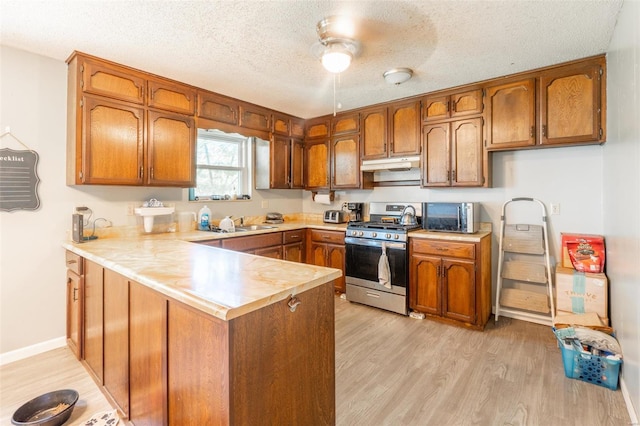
317, 160
443, 107
293, 245
213, 106
255, 117
116, 339
345, 123
510, 115
391, 131
452, 154
93, 331
327, 248
117, 135
269, 245
297, 164
345, 162
147, 356
75, 295
451, 280
571, 107
286, 163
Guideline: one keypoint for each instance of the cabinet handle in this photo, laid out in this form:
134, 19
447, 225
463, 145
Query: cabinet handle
532, 132
447, 106
453, 176
544, 130
151, 173
75, 294
141, 172
438, 271
453, 107
72, 261
293, 303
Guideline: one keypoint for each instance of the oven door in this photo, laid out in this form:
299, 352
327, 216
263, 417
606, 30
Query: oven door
361, 264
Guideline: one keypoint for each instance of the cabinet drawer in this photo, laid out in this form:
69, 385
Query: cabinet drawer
296, 236
327, 236
444, 248
253, 242
73, 262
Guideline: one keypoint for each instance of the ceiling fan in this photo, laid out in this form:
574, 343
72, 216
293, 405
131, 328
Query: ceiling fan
336, 46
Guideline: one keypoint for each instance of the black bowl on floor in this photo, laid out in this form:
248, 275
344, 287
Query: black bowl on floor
51, 409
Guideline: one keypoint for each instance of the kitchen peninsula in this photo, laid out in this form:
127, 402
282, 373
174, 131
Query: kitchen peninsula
183, 333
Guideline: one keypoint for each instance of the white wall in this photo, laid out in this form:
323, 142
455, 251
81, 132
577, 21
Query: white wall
32, 275
621, 201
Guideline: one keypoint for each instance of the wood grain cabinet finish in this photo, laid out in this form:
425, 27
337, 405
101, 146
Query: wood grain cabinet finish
287, 163
391, 131
93, 331
213, 106
75, 296
269, 245
171, 96
571, 109
442, 107
293, 245
510, 115
327, 248
297, 164
255, 117
451, 281
117, 116
317, 160
345, 162
452, 154
345, 123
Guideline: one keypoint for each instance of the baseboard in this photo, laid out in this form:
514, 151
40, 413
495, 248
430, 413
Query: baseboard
627, 400
26, 352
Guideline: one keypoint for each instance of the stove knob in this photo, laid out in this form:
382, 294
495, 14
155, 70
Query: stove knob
388, 235
360, 234
374, 234
354, 232
397, 236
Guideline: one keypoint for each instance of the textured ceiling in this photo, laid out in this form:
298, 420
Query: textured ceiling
259, 51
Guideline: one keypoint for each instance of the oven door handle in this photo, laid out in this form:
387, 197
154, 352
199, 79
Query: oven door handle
375, 243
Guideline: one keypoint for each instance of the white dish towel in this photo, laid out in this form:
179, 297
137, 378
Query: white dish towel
384, 272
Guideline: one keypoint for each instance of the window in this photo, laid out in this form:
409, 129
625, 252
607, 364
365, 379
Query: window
222, 169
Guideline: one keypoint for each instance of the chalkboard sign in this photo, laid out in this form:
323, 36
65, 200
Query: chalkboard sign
18, 180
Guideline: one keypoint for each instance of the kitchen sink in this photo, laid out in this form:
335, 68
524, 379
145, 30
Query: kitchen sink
253, 228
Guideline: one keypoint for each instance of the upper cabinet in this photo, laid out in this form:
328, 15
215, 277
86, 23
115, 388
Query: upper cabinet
442, 107
558, 106
391, 131
126, 127
287, 152
316, 153
217, 107
255, 117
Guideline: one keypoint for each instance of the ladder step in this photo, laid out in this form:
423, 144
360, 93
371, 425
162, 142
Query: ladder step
523, 238
524, 271
524, 299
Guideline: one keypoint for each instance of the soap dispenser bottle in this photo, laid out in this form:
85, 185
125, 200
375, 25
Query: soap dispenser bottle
204, 217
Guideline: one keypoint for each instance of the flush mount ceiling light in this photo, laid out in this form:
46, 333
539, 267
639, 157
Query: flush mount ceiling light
397, 75
335, 47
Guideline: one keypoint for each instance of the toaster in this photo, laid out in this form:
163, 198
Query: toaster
335, 216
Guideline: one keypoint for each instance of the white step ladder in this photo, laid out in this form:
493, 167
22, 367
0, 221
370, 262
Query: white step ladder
525, 280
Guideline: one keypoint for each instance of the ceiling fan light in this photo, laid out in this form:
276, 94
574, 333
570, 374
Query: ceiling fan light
336, 60
397, 75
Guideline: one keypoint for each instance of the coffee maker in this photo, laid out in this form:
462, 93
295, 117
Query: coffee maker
356, 211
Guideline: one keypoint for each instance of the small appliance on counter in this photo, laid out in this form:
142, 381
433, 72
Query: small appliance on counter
274, 217
335, 216
451, 217
356, 211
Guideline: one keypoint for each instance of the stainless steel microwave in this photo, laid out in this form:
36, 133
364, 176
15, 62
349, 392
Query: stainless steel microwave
451, 217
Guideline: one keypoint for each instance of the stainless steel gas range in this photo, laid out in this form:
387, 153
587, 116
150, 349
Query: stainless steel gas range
377, 259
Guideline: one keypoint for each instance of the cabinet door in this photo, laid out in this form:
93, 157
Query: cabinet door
112, 143
349, 123
280, 169
458, 290
424, 284
570, 106
404, 129
297, 163
171, 96
374, 134
317, 153
171, 150
217, 107
466, 103
466, 153
297, 128
345, 162
74, 313
435, 155
510, 113
93, 332
336, 255
281, 124
254, 117
435, 108
148, 356
317, 254
293, 252
273, 252
112, 81
317, 128
116, 338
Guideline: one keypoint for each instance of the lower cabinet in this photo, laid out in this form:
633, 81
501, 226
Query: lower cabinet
75, 287
93, 319
293, 245
326, 248
268, 245
451, 280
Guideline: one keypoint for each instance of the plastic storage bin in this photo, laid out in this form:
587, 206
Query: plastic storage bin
594, 369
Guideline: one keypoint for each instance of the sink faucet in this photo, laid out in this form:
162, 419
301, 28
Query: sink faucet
241, 218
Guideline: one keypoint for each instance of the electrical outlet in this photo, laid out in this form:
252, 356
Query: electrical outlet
555, 208
130, 209
265, 204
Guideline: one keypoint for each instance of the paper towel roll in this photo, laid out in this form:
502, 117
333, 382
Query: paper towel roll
322, 199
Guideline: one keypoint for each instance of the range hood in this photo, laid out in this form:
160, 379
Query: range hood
394, 164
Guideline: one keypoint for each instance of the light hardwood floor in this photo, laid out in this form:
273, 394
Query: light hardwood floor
394, 370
